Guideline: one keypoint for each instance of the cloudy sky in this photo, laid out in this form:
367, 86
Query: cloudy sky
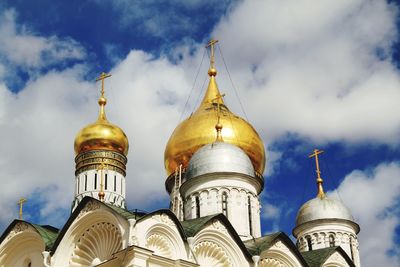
305, 73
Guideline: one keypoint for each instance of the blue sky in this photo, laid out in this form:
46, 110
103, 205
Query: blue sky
308, 75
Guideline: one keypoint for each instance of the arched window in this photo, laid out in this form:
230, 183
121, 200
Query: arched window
197, 200
85, 182
331, 240
29, 264
95, 181
78, 185
115, 183
250, 215
225, 204
309, 244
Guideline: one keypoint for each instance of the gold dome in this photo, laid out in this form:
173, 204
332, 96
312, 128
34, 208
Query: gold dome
101, 135
199, 130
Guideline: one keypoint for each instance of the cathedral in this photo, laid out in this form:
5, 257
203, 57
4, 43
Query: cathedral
214, 162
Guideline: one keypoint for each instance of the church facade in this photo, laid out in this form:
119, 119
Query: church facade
214, 162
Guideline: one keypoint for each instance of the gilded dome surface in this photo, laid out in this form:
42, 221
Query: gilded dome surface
199, 130
323, 208
219, 157
101, 135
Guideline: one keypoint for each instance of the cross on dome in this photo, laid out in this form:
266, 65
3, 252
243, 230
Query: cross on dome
321, 193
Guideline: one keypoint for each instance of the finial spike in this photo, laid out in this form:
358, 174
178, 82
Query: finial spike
218, 126
321, 193
20, 203
102, 99
212, 71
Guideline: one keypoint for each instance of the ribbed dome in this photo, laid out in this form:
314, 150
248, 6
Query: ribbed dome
323, 208
219, 157
101, 135
199, 130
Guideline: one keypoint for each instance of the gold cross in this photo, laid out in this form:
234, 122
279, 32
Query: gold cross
218, 100
211, 44
101, 193
20, 203
101, 78
321, 193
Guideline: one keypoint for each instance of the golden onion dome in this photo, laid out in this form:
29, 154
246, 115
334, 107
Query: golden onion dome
101, 135
199, 130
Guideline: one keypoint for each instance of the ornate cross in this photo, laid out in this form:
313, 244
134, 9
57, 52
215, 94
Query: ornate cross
211, 44
20, 203
101, 78
321, 193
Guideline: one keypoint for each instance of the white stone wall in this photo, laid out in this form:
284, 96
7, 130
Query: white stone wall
210, 189
319, 231
114, 193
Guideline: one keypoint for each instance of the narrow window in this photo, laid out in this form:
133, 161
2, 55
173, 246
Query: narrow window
249, 211
121, 187
95, 181
29, 264
225, 204
351, 248
78, 185
197, 207
309, 243
105, 182
115, 183
331, 241
85, 182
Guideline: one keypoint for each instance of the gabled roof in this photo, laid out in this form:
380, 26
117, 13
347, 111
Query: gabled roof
47, 233
257, 245
193, 226
316, 258
122, 212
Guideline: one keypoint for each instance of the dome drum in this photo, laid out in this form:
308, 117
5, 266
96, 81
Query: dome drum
92, 160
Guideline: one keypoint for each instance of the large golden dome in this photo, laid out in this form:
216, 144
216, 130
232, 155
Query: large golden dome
199, 130
101, 135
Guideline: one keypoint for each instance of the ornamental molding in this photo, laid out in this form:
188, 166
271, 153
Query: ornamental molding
163, 218
268, 262
18, 228
160, 245
217, 225
89, 207
210, 254
336, 258
279, 245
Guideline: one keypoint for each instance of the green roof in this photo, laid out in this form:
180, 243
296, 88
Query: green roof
192, 226
48, 234
257, 245
316, 258
126, 213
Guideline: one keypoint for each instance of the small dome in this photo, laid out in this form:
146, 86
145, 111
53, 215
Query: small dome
219, 157
101, 135
323, 208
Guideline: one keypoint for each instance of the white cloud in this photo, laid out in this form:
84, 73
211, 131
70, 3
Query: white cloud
373, 196
22, 47
312, 68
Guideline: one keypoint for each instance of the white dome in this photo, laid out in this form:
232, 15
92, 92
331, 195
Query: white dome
219, 157
323, 208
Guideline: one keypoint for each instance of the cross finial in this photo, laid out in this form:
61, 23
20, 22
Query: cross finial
212, 44
20, 203
218, 126
321, 192
101, 193
101, 78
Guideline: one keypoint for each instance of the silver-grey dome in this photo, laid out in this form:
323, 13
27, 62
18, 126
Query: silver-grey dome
219, 157
323, 208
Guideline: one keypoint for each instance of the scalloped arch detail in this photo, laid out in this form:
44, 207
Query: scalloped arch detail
97, 243
160, 245
210, 254
270, 263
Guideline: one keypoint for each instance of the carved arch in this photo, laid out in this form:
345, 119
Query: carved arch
210, 254
160, 245
96, 244
270, 263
